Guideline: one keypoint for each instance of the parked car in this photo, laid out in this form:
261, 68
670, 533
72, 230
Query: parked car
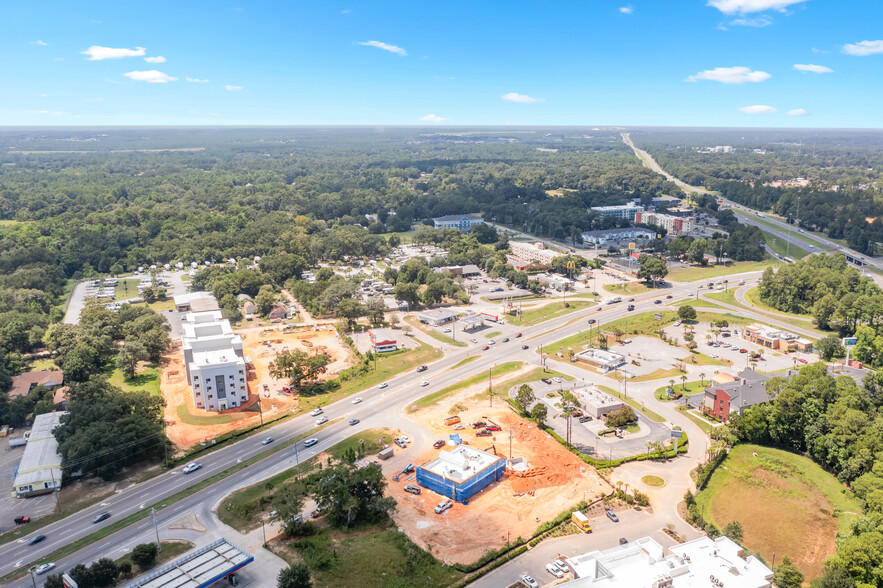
562, 566
714, 356
546, 381
478, 424
413, 489
46, 567
743, 351
36, 539
316, 412
557, 380
102, 517
383, 385
459, 427
529, 582
611, 515
357, 400
354, 422
577, 414
321, 420
443, 506
405, 438
439, 444
400, 443
493, 427
267, 441
801, 360
191, 467
22, 520
483, 433
677, 324
553, 569
310, 442
585, 418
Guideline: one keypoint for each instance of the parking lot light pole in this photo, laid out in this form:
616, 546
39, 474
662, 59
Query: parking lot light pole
33, 579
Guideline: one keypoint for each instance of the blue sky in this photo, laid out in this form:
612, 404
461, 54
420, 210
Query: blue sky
589, 62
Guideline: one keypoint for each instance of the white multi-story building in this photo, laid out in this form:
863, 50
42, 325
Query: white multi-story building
532, 252
674, 225
213, 361
643, 564
626, 211
461, 222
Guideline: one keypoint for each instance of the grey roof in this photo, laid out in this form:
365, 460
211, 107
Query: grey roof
457, 217
748, 389
601, 232
40, 461
471, 268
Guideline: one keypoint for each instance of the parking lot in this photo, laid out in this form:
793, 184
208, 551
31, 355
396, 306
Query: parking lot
645, 355
727, 345
11, 507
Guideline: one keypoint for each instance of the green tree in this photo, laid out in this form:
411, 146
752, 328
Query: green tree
733, 530
265, 300
687, 313
787, 575
652, 269
374, 309
295, 576
299, 367
54, 581
834, 577
525, 397
351, 495
129, 356
539, 412
82, 575
104, 572
288, 501
144, 555
148, 294
407, 292
621, 417
351, 310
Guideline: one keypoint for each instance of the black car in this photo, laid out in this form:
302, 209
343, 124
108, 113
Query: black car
546, 381
102, 517
525, 347
422, 368
505, 339
592, 321
585, 419
36, 539
623, 540
354, 422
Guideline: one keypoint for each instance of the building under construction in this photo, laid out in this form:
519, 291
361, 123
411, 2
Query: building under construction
462, 472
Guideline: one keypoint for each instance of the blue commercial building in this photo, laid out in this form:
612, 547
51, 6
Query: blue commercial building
461, 473
462, 222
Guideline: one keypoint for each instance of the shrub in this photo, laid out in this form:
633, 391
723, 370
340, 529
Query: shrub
144, 555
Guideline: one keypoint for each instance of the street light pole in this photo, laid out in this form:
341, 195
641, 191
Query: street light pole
33, 579
490, 388
156, 529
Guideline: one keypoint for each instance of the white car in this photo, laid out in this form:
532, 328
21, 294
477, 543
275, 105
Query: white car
447, 331
677, 324
627, 341
191, 467
553, 569
491, 342
528, 581
310, 442
357, 400
316, 412
557, 380
424, 383
714, 356
562, 566
46, 567
383, 385
405, 438
443, 506
321, 420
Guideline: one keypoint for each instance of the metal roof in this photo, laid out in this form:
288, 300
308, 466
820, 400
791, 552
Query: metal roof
199, 569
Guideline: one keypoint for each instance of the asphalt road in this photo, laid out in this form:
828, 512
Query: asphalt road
379, 408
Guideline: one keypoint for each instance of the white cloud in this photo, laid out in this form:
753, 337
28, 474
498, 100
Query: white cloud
433, 118
97, 53
757, 22
626, 9
863, 48
347, 11
52, 112
196, 80
150, 76
233, 88
798, 112
523, 98
385, 47
157, 59
39, 42
730, 75
758, 109
746, 6
819, 69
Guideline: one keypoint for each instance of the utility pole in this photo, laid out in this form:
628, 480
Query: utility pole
297, 460
490, 388
55, 490
260, 409
156, 529
33, 579
511, 433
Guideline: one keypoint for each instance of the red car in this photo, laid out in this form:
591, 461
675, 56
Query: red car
743, 351
22, 520
485, 348
801, 360
517, 335
438, 444
493, 428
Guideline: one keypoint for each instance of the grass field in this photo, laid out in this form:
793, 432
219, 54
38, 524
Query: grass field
786, 504
463, 362
658, 374
702, 359
780, 246
627, 288
654, 481
146, 379
698, 303
691, 388
711, 272
430, 399
37, 365
727, 297
653, 416
170, 550
412, 320
549, 311
492, 334
803, 321
127, 288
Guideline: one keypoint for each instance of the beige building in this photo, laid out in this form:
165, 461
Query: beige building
534, 252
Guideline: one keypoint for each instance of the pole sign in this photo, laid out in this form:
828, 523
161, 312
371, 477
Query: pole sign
631, 245
850, 341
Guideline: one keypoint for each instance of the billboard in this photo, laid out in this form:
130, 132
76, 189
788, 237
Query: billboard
850, 341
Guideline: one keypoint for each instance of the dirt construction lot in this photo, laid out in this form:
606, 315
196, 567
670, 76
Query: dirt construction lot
517, 505
188, 425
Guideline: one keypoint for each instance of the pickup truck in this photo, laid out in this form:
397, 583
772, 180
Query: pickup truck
22, 520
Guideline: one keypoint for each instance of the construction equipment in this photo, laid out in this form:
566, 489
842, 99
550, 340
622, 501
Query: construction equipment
408, 469
453, 420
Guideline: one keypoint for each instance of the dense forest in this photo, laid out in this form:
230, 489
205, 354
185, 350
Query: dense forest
831, 180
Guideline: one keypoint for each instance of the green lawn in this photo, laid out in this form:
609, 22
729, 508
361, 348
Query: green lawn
389, 365
711, 272
492, 334
412, 320
658, 374
727, 297
691, 388
781, 247
146, 379
698, 421
627, 288
170, 551
654, 481
653, 416
127, 288
549, 311
752, 296
435, 397
698, 303
37, 365
802, 321
786, 504
463, 362
202, 420
702, 359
